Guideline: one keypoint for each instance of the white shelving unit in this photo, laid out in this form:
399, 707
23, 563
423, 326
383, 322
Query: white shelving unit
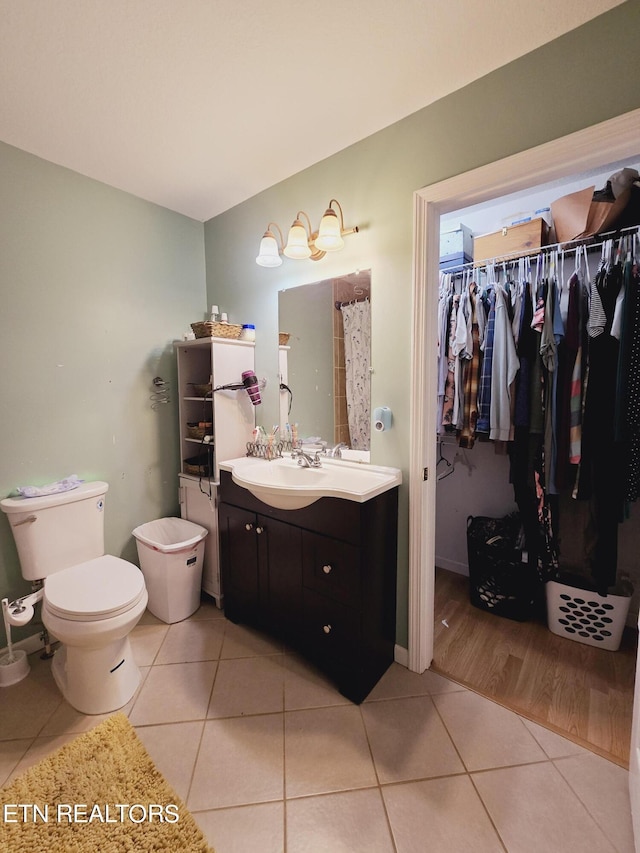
232, 417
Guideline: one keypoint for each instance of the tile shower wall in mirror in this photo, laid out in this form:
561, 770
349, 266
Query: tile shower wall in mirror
329, 376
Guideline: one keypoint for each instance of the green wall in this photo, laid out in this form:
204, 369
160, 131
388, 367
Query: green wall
585, 77
95, 286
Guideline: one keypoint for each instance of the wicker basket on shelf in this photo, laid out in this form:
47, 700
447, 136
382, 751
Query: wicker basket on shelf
216, 330
199, 430
201, 389
283, 338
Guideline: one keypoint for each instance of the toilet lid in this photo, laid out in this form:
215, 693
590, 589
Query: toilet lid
97, 589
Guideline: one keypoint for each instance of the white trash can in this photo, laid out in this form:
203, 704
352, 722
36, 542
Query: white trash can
171, 552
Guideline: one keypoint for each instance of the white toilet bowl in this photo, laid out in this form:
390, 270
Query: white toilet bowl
91, 608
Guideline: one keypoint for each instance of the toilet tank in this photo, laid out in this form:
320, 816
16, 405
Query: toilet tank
54, 532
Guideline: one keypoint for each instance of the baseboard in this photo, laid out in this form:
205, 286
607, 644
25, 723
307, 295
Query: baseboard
30, 644
452, 566
401, 655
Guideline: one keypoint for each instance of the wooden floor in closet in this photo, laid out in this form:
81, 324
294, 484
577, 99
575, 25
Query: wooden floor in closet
579, 691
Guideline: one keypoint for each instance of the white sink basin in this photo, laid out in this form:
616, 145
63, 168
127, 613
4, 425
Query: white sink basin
284, 484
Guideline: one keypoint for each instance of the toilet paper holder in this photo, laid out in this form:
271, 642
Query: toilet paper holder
382, 418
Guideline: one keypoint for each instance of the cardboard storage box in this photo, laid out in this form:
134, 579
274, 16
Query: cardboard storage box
577, 216
512, 241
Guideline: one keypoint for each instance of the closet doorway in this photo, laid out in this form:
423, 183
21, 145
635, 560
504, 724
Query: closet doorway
614, 141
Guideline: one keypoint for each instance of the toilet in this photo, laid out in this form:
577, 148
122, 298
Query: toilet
91, 601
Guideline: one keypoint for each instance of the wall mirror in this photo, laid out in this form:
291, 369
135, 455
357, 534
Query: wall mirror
326, 360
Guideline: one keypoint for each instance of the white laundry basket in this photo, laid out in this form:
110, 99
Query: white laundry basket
586, 616
171, 552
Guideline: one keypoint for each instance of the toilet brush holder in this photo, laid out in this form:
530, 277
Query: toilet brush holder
14, 667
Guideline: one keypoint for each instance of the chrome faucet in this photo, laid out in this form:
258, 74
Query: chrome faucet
336, 452
305, 460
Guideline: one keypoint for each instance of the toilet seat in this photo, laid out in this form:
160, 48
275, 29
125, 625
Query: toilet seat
96, 589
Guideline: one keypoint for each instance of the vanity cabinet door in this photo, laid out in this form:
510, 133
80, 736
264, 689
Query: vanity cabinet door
331, 568
239, 559
280, 570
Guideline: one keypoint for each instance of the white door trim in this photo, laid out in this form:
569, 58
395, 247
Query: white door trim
608, 142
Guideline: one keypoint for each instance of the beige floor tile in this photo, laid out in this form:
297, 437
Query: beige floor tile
66, 719
240, 762
191, 641
326, 750
248, 686
408, 740
534, 809
603, 787
441, 816
11, 751
27, 705
145, 642
173, 749
40, 748
399, 681
244, 829
307, 687
148, 618
486, 734
243, 642
349, 822
554, 745
207, 610
174, 693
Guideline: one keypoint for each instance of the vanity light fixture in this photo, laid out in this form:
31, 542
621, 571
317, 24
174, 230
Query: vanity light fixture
302, 241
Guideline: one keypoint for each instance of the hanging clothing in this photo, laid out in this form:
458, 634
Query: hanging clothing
504, 367
467, 433
484, 390
450, 384
601, 472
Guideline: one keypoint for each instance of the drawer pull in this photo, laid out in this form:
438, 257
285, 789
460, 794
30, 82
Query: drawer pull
327, 629
326, 569
248, 526
259, 529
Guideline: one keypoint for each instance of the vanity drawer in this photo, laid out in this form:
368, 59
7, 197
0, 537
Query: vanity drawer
331, 568
331, 630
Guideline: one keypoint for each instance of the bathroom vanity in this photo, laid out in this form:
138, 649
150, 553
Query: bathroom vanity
322, 578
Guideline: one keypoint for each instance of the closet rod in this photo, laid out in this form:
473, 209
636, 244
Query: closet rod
563, 247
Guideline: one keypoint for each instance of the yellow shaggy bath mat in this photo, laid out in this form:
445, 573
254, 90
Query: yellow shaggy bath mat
100, 793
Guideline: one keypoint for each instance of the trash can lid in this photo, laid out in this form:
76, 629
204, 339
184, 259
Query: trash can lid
170, 534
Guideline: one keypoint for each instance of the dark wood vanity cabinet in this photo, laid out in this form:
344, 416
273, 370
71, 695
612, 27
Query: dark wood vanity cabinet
322, 578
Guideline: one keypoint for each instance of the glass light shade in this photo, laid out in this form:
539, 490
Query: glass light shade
269, 254
329, 238
297, 242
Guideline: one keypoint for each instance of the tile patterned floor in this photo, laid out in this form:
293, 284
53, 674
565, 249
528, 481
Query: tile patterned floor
270, 757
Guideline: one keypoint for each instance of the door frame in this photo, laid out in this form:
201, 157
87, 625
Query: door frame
608, 142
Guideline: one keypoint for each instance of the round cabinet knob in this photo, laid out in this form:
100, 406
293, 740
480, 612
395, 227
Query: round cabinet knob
326, 629
259, 529
326, 569
248, 526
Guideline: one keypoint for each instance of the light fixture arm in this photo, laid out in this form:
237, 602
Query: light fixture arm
277, 227
343, 230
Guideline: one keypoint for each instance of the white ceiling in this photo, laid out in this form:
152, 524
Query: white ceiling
199, 104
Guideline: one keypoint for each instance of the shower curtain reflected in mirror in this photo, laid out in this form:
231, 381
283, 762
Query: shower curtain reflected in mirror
356, 317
